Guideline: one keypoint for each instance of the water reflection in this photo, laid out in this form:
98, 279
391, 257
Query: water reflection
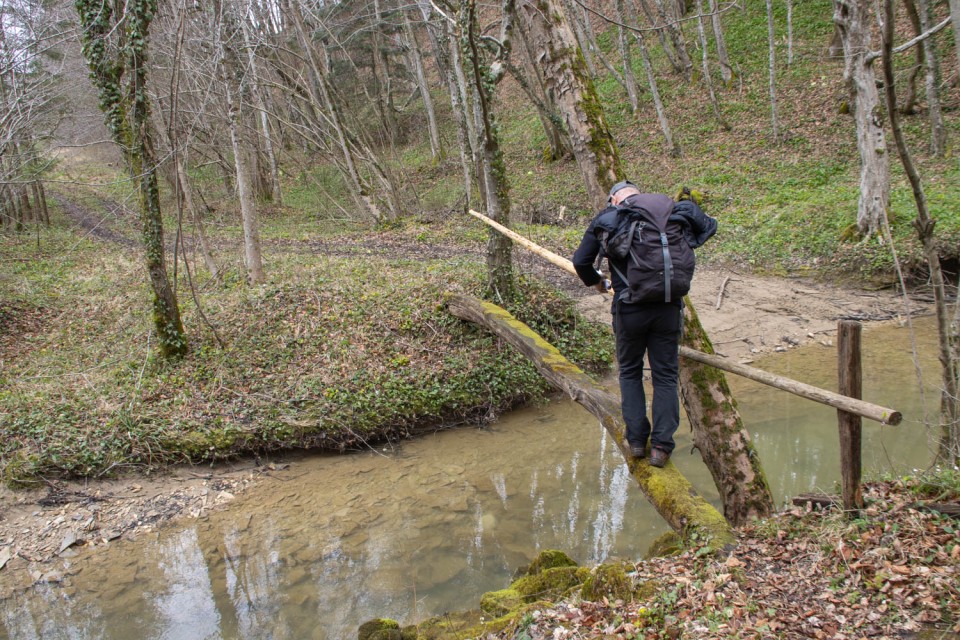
429, 527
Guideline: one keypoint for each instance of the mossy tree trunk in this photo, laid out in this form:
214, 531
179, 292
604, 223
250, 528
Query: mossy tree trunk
115, 36
719, 434
484, 78
571, 89
667, 489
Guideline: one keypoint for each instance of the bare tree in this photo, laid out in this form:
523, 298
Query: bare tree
673, 148
948, 330
771, 44
707, 78
623, 41
726, 70
115, 46
226, 30
854, 19
415, 56
938, 130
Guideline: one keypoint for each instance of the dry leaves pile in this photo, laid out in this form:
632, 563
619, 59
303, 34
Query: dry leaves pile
802, 574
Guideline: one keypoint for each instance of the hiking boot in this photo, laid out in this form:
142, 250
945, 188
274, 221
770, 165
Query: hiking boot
638, 450
658, 457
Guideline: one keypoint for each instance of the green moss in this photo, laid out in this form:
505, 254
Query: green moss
608, 581
379, 629
667, 544
500, 603
549, 559
550, 583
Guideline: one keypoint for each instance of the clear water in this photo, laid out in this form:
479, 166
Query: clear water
430, 526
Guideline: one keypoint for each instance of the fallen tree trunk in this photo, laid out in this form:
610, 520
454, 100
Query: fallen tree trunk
667, 489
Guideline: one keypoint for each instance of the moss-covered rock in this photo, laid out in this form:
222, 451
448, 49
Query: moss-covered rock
548, 559
608, 581
550, 583
454, 626
379, 629
500, 603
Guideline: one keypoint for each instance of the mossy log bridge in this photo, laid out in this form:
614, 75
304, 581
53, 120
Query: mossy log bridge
667, 489
862, 408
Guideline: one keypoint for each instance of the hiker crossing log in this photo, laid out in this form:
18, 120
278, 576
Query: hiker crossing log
718, 431
667, 489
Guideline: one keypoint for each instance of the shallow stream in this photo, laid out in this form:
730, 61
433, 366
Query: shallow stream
429, 526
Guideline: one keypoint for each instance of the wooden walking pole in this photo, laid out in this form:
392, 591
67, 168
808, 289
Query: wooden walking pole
852, 405
850, 377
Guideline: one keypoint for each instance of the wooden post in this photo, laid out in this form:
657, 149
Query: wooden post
849, 372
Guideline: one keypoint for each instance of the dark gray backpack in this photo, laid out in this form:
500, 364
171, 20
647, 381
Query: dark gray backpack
659, 259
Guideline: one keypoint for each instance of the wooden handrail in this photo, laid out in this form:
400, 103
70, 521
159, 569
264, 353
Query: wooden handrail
862, 408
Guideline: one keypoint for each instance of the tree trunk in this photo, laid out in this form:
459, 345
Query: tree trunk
416, 63
570, 12
623, 41
495, 182
938, 130
719, 434
707, 78
789, 32
571, 88
726, 70
854, 19
909, 102
955, 19
670, 21
275, 193
127, 111
771, 43
948, 331
382, 82
440, 42
662, 35
668, 491
185, 188
230, 73
557, 139
673, 148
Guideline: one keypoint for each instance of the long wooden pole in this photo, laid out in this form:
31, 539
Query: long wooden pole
867, 410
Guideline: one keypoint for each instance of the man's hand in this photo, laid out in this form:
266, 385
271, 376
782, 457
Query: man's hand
603, 286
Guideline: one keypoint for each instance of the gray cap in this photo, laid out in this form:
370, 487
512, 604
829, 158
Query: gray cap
620, 185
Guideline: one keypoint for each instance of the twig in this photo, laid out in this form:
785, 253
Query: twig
723, 288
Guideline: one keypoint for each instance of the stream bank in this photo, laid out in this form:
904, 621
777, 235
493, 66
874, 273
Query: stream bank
756, 316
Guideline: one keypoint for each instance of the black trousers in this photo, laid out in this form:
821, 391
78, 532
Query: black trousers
654, 329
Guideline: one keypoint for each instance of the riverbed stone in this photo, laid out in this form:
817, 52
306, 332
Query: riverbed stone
379, 629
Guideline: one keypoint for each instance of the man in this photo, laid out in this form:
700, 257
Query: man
649, 326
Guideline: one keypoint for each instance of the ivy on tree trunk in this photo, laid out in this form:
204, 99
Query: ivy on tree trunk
115, 39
